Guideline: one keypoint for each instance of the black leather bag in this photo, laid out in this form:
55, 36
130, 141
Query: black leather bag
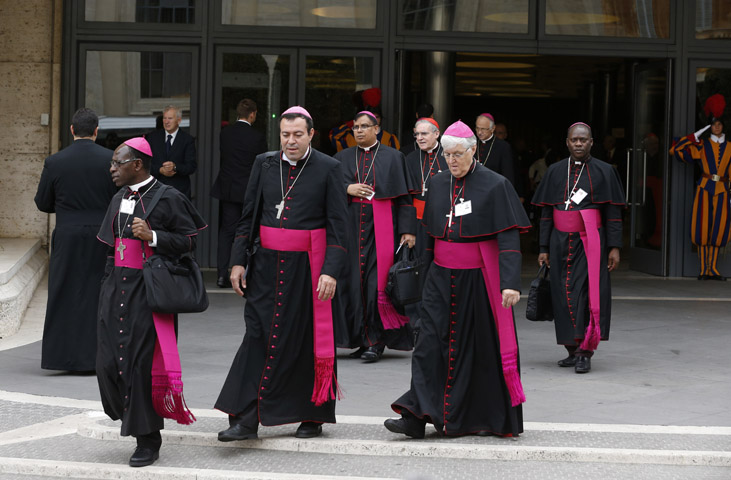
406, 278
174, 285
540, 307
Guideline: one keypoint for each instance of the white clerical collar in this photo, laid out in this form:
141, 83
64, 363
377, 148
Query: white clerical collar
368, 148
136, 187
174, 134
245, 121
718, 138
485, 141
436, 147
294, 162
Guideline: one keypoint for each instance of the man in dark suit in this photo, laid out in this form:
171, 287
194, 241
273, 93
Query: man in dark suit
240, 144
77, 187
493, 152
173, 152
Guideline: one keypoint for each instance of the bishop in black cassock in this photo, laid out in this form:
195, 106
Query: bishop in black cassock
380, 217
580, 234
284, 371
492, 152
464, 369
128, 333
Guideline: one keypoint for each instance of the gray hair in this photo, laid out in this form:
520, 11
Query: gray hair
449, 142
178, 112
434, 128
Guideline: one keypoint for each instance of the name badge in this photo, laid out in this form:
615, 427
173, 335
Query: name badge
373, 194
127, 206
578, 196
463, 208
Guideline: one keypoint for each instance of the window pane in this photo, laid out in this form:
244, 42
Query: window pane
495, 16
609, 18
142, 11
331, 84
261, 78
300, 13
712, 19
128, 90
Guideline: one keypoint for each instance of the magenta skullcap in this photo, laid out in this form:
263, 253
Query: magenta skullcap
139, 143
298, 110
488, 115
459, 129
366, 112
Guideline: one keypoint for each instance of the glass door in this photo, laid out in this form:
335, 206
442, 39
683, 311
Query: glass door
646, 185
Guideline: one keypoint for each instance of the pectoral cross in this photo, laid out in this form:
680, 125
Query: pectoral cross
424, 190
279, 207
567, 203
449, 216
120, 248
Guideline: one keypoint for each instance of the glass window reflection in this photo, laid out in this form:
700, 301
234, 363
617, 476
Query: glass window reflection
300, 13
128, 90
712, 19
496, 16
141, 11
609, 18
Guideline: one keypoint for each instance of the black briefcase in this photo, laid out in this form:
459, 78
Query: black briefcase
174, 285
406, 278
540, 307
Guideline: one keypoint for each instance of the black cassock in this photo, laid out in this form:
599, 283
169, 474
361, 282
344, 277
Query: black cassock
273, 374
77, 187
389, 179
126, 332
497, 155
472, 396
569, 274
422, 166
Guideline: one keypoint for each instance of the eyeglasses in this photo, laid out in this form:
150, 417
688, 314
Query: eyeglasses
362, 127
457, 156
480, 129
117, 164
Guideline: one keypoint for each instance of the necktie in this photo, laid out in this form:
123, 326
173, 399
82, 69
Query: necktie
168, 144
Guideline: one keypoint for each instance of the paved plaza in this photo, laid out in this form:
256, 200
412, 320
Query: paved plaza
655, 405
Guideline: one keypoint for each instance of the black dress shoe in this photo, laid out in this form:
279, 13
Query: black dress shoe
308, 430
223, 282
372, 354
719, 278
409, 426
569, 361
484, 433
143, 457
357, 353
237, 432
702, 277
583, 364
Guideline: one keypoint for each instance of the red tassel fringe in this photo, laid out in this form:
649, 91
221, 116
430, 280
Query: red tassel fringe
168, 400
390, 317
326, 386
592, 337
512, 380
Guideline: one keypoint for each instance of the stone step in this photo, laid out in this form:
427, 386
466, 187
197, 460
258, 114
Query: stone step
23, 264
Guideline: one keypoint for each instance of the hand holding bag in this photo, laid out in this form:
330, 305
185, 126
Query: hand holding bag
540, 307
173, 284
406, 278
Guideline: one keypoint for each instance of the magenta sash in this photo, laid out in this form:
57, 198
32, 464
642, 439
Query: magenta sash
383, 228
167, 379
587, 223
485, 256
314, 242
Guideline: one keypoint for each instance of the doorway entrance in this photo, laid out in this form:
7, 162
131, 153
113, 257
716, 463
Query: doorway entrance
536, 97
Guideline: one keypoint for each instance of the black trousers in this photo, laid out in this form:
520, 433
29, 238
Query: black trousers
229, 215
153, 440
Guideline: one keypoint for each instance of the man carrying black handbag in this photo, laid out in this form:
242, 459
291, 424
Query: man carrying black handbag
137, 364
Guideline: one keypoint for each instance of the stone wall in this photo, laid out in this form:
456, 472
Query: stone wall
30, 86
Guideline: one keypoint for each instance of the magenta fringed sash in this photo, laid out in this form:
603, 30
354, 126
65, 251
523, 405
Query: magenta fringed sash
383, 227
167, 383
587, 223
314, 242
485, 256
